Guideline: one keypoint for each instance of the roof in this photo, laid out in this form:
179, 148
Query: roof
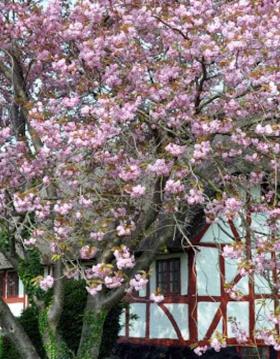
177, 243
4, 263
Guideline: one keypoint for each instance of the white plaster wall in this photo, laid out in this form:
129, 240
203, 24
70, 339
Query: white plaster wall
137, 327
219, 232
240, 312
180, 313
205, 314
142, 292
231, 270
259, 223
20, 289
16, 308
263, 308
122, 321
160, 325
208, 272
256, 193
261, 285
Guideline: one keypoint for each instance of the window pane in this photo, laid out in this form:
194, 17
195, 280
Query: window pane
2, 284
12, 284
168, 276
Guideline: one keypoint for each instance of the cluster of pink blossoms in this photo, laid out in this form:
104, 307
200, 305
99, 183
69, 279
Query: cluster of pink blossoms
121, 93
201, 151
94, 289
156, 297
47, 282
233, 292
99, 270
114, 281
228, 207
175, 150
139, 282
269, 338
125, 228
195, 196
200, 350
137, 191
174, 187
233, 252
130, 173
124, 259
88, 252
160, 168
217, 344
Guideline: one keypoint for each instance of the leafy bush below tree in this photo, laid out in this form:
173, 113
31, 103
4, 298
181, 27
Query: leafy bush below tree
70, 325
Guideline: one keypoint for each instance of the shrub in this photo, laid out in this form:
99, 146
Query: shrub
70, 324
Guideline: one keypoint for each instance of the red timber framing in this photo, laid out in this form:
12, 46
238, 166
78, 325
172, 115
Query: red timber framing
193, 299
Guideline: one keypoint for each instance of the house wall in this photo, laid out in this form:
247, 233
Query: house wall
19, 303
203, 308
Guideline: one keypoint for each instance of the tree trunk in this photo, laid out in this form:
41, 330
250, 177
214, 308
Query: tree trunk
49, 318
54, 345
93, 324
16, 333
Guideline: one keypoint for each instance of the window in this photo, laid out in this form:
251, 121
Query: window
9, 284
168, 276
2, 284
12, 284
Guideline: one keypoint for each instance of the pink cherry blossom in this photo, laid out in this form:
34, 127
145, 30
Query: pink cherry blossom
200, 350
88, 252
137, 191
175, 150
174, 186
139, 282
157, 298
94, 289
160, 167
114, 281
124, 258
194, 197
47, 283
217, 345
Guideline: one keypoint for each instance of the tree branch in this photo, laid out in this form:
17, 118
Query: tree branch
16, 333
56, 307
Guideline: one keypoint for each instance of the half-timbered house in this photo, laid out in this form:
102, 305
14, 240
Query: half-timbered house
197, 305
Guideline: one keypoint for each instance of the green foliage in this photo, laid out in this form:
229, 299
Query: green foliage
53, 345
4, 237
29, 269
72, 316
29, 321
110, 331
93, 336
70, 325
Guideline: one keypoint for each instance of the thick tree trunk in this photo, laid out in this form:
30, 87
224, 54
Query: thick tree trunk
16, 333
49, 317
54, 345
93, 324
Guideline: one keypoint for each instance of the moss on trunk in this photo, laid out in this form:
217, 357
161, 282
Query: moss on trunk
92, 334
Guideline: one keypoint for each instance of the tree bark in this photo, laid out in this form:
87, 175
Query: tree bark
49, 317
54, 345
16, 333
93, 324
